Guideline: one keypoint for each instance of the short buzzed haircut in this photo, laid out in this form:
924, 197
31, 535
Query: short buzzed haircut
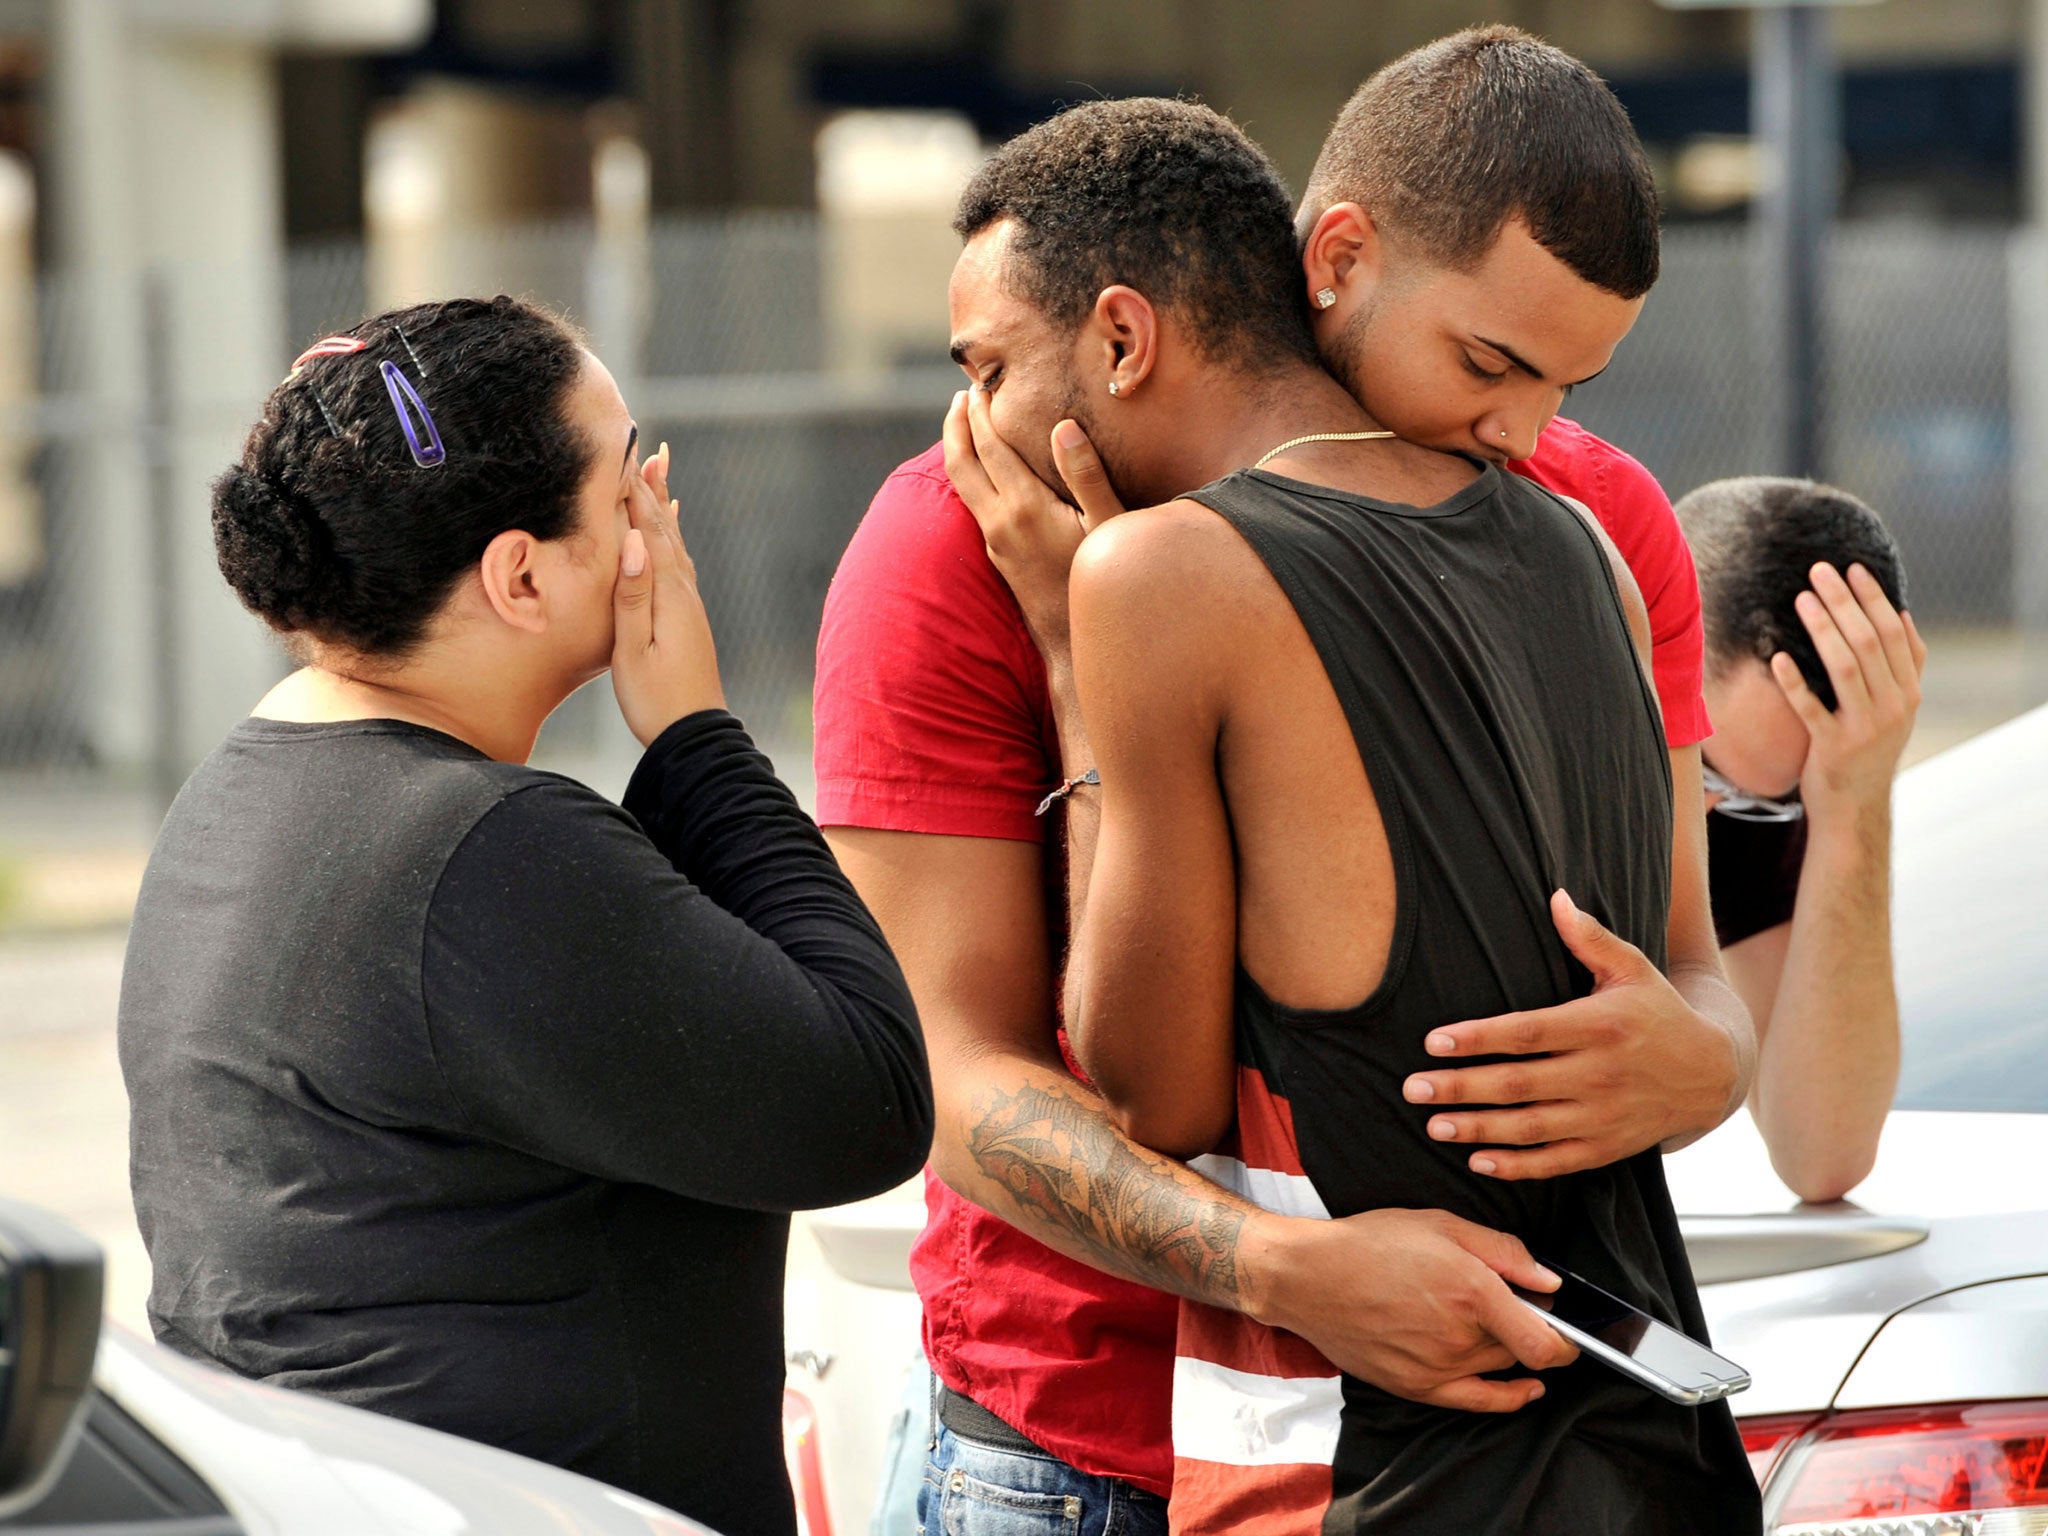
1449, 143
1167, 197
1754, 540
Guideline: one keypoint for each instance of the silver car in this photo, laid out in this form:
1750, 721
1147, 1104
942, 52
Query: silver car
1899, 1344
108, 1434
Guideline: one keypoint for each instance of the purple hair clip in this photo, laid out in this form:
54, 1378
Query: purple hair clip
430, 453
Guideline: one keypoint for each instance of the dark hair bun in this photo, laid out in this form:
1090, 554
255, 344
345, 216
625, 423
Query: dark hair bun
271, 546
329, 529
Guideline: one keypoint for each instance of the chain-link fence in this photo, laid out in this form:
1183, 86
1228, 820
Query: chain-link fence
1915, 403
776, 453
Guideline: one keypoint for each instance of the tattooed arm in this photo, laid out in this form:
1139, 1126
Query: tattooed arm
1017, 1133
1403, 1299
1059, 1164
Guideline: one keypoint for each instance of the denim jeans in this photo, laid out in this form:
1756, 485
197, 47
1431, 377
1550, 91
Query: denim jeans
972, 1489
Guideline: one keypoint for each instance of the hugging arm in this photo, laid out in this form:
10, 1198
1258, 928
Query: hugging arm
1409, 1300
1150, 976
1016, 1133
932, 752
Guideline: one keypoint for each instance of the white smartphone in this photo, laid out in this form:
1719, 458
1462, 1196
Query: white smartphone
1634, 1343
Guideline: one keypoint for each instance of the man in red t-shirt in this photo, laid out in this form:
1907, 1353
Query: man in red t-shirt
1055, 1246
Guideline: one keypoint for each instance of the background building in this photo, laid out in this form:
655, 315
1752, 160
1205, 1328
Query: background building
745, 202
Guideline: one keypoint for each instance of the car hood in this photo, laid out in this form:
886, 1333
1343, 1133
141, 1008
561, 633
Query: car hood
290, 1464
1969, 1181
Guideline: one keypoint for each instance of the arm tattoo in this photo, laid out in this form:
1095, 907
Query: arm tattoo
1139, 1215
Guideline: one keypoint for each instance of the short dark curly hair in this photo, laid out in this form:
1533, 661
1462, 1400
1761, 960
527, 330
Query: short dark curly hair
1754, 540
326, 528
1449, 142
1167, 197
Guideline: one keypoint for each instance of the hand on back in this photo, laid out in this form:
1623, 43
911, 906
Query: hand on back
1590, 1081
664, 665
1874, 657
1030, 531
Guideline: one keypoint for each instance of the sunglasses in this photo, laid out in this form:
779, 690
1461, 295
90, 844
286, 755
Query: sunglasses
1741, 805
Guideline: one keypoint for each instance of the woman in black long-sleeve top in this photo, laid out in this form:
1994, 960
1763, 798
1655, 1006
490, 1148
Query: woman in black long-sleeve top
459, 1092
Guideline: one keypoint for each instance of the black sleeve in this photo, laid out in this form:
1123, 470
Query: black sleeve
704, 1006
1752, 874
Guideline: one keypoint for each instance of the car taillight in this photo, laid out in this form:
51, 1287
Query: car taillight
1975, 1469
1765, 1439
806, 1465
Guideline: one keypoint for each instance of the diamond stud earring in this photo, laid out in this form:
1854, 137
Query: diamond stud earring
1115, 387
1325, 297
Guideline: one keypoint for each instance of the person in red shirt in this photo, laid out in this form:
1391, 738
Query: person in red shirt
1055, 1246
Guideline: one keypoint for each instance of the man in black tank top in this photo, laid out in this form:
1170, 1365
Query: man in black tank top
1360, 713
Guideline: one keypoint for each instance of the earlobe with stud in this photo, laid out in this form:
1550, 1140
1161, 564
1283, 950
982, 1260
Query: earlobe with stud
1325, 297
1116, 387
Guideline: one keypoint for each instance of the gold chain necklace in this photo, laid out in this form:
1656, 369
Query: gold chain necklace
1320, 437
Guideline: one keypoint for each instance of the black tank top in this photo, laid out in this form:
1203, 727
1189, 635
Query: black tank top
1482, 657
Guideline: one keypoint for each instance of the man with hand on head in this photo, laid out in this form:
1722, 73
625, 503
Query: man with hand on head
1813, 676
1053, 1238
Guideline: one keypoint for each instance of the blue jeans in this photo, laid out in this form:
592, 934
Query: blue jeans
972, 1489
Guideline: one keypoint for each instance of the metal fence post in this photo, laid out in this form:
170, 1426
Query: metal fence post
159, 454
2028, 317
1792, 96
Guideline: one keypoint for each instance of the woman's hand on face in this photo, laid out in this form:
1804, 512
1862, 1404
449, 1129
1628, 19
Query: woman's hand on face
664, 665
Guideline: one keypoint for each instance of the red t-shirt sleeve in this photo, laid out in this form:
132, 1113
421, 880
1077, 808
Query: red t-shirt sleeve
930, 712
1637, 515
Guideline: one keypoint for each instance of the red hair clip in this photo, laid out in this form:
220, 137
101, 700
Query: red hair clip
333, 346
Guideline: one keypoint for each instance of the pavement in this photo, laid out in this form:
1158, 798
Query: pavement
72, 851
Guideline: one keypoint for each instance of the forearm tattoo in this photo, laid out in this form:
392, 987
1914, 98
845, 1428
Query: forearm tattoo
1062, 1164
